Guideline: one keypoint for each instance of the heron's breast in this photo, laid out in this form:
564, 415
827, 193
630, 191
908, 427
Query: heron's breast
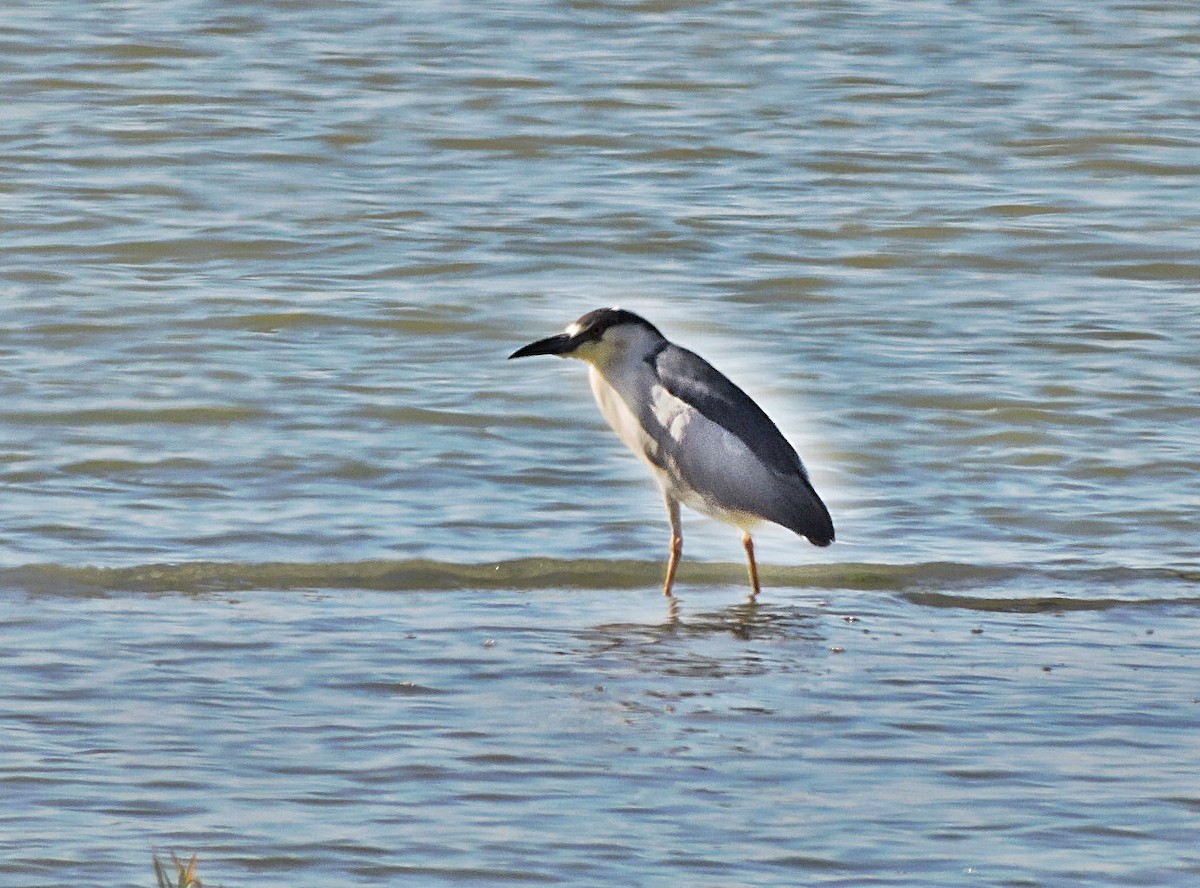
622, 420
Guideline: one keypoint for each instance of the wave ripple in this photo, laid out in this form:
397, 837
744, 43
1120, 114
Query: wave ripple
1018, 589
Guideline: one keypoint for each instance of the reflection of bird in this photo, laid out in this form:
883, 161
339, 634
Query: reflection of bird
708, 444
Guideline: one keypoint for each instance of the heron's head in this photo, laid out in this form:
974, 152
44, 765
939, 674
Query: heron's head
598, 337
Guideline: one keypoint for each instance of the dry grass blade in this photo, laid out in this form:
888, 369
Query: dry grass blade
184, 876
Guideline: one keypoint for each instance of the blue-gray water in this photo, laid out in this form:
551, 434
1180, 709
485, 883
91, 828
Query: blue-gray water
299, 574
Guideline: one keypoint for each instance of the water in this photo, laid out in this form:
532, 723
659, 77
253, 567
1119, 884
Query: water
299, 574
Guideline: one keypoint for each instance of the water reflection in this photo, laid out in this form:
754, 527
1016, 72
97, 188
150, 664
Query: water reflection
748, 638
750, 620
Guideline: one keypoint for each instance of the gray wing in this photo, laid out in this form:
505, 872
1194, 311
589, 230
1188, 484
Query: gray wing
795, 504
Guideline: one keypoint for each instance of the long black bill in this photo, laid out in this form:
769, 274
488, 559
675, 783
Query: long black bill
561, 344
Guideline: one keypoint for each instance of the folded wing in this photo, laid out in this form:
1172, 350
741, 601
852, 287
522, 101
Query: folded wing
774, 485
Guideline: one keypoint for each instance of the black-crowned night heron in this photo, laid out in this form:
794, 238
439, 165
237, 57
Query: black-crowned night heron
709, 446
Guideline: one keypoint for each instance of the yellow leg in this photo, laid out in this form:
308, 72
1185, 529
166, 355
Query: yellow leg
676, 544
673, 564
748, 544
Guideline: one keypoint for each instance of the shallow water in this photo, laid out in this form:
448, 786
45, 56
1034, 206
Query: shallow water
590, 736
298, 573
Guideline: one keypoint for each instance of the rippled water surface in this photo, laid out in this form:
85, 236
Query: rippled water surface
299, 574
